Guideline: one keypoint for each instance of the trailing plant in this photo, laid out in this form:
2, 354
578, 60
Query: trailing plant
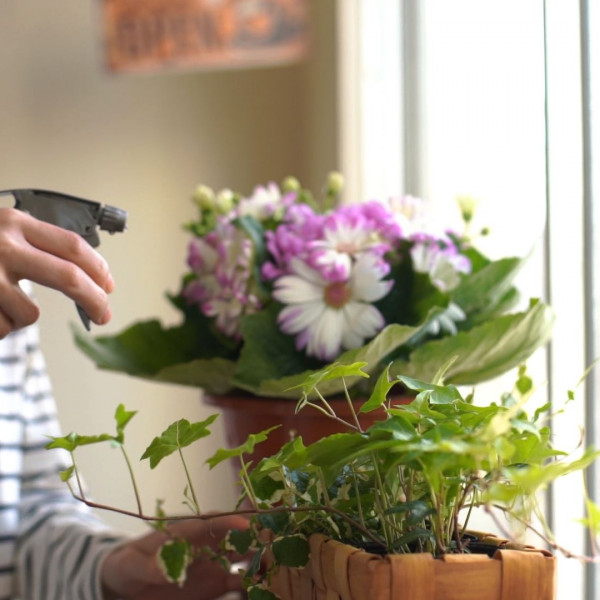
408, 483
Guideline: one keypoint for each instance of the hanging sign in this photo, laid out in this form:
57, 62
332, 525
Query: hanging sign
151, 35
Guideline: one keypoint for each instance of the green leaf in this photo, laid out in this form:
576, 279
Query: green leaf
332, 372
486, 289
239, 541
291, 550
122, 417
435, 394
67, 473
179, 355
485, 351
259, 592
74, 440
246, 448
379, 394
174, 557
592, 519
387, 340
178, 435
398, 425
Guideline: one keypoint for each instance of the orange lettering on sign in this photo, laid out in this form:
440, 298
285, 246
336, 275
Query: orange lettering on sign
157, 34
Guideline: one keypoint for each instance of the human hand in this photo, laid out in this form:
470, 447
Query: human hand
131, 571
53, 257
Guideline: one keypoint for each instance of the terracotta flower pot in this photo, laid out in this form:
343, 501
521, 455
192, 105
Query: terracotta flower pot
246, 414
337, 571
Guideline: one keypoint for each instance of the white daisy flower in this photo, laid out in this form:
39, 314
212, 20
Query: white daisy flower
328, 315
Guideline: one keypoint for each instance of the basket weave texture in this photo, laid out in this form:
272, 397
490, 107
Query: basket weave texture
337, 571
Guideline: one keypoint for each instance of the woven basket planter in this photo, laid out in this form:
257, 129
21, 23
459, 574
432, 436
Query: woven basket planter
337, 571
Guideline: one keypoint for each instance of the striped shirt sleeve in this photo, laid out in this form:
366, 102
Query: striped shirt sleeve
54, 544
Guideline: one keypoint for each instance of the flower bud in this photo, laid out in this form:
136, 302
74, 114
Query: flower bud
204, 197
291, 184
467, 206
224, 202
335, 183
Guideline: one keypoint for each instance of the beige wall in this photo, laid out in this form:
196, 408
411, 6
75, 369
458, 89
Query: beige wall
143, 143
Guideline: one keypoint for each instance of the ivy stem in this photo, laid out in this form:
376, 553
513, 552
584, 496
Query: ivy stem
361, 515
133, 480
351, 406
189, 480
332, 415
249, 511
247, 485
381, 500
77, 476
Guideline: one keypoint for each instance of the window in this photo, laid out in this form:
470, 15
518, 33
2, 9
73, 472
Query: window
494, 99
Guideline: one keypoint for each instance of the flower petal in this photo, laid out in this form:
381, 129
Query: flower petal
326, 335
295, 318
291, 289
363, 319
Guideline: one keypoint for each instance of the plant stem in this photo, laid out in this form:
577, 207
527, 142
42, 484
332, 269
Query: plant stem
77, 477
361, 515
332, 415
247, 484
249, 511
381, 500
351, 406
190, 484
133, 481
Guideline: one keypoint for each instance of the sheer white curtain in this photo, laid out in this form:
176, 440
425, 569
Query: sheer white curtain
494, 99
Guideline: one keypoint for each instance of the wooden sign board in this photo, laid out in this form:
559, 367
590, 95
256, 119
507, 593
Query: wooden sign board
153, 35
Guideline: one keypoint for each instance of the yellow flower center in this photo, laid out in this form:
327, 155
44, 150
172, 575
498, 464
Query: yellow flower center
337, 294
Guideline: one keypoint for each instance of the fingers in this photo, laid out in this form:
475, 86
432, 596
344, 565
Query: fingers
71, 247
48, 255
17, 309
67, 277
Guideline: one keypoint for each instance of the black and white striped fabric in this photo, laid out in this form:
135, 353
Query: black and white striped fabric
51, 546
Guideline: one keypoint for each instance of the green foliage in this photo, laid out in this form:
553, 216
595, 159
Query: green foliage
174, 558
409, 482
291, 550
246, 448
73, 440
178, 435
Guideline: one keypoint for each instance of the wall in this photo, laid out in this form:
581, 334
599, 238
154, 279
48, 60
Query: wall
143, 143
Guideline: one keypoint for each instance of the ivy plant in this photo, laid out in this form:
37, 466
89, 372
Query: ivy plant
408, 483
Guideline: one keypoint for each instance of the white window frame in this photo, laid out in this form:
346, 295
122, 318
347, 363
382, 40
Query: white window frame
370, 99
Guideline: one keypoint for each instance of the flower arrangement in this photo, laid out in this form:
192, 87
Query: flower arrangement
280, 285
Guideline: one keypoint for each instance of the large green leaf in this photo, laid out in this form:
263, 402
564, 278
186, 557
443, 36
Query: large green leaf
390, 338
150, 351
483, 352
487, 288
268, 353
214, 376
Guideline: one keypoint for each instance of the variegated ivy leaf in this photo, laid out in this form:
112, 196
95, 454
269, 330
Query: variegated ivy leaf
178, 435
260, 592
238, 541
291, 550
174, 557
